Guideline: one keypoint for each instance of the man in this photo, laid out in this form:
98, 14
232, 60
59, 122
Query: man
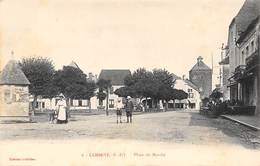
119, 107
129, 106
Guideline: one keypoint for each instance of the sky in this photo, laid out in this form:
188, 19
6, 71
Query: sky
117, 34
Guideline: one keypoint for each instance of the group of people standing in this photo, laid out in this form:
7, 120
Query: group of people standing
60, 114
128, 106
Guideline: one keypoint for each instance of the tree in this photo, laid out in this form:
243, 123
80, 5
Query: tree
104, 85
125, 91
39, 72
164, 80
73, 84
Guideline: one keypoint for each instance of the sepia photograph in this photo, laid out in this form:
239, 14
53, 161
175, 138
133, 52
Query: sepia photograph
129, 82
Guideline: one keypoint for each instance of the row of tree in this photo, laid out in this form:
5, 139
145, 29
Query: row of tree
156, 85
48, 83
73, 84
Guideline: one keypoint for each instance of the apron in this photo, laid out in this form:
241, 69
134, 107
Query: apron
62, 110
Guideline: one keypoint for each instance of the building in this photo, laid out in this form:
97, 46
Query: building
193, 100
238, 25
116, 78
242, 55
224, 74
201, 76
50, 104
14, 91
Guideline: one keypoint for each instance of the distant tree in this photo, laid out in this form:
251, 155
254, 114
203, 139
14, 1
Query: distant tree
180, 94
104, 85
164, 80
39, 71
73, 84
125, 91
216, 95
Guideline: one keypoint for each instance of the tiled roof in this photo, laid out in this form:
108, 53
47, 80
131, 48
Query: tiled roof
248, 12
191, 84
13, 75
250, 27
115, 76
200, 65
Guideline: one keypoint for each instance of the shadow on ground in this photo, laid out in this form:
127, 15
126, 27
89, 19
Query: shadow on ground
229, 128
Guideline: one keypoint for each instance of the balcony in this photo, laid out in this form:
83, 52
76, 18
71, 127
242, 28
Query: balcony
239, 72
252, 62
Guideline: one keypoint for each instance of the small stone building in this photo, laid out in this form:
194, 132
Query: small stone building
14, 92
201, 76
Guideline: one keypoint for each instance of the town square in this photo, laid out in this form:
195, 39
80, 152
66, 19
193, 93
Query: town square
130, 82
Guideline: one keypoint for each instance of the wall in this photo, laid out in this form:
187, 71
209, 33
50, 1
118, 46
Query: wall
14, 100
181, 84
112, 96
203, 80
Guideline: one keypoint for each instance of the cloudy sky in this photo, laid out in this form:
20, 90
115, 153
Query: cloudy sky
112, 34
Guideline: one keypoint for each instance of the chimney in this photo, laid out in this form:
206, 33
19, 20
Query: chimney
199, 59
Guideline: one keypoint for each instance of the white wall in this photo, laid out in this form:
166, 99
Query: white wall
181, 84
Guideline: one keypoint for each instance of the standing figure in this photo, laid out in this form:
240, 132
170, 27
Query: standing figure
129, 106
119, 106
62, 113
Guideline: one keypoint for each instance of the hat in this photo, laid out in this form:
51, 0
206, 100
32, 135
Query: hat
128, 97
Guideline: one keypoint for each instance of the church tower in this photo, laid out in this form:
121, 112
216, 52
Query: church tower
201, 76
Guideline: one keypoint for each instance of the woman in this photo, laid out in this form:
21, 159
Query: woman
62, 114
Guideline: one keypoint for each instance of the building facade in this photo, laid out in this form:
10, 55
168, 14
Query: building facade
14, 92
193, 100
116, 78
242, 55
201, 76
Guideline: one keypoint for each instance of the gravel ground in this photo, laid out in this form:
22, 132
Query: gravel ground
172, 127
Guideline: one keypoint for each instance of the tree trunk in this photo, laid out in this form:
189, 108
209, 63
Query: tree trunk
145, 105
107, 102
51, 103
89, 104
34, 103
166, 105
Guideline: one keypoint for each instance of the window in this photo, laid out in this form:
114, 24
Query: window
80, 103
71, 102
191, 95
247, 51
100, 102
189, 90
7, 96
252, 46
243, 57
43, 104
111, 90
111, 103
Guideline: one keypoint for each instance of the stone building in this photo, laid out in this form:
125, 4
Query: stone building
201, 76
242, 56
14, 92
116, 77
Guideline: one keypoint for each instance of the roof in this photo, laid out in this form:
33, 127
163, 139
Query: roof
200, 65
73, 64
115, 76
250, 27
12, 74
191, 84
248, 12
